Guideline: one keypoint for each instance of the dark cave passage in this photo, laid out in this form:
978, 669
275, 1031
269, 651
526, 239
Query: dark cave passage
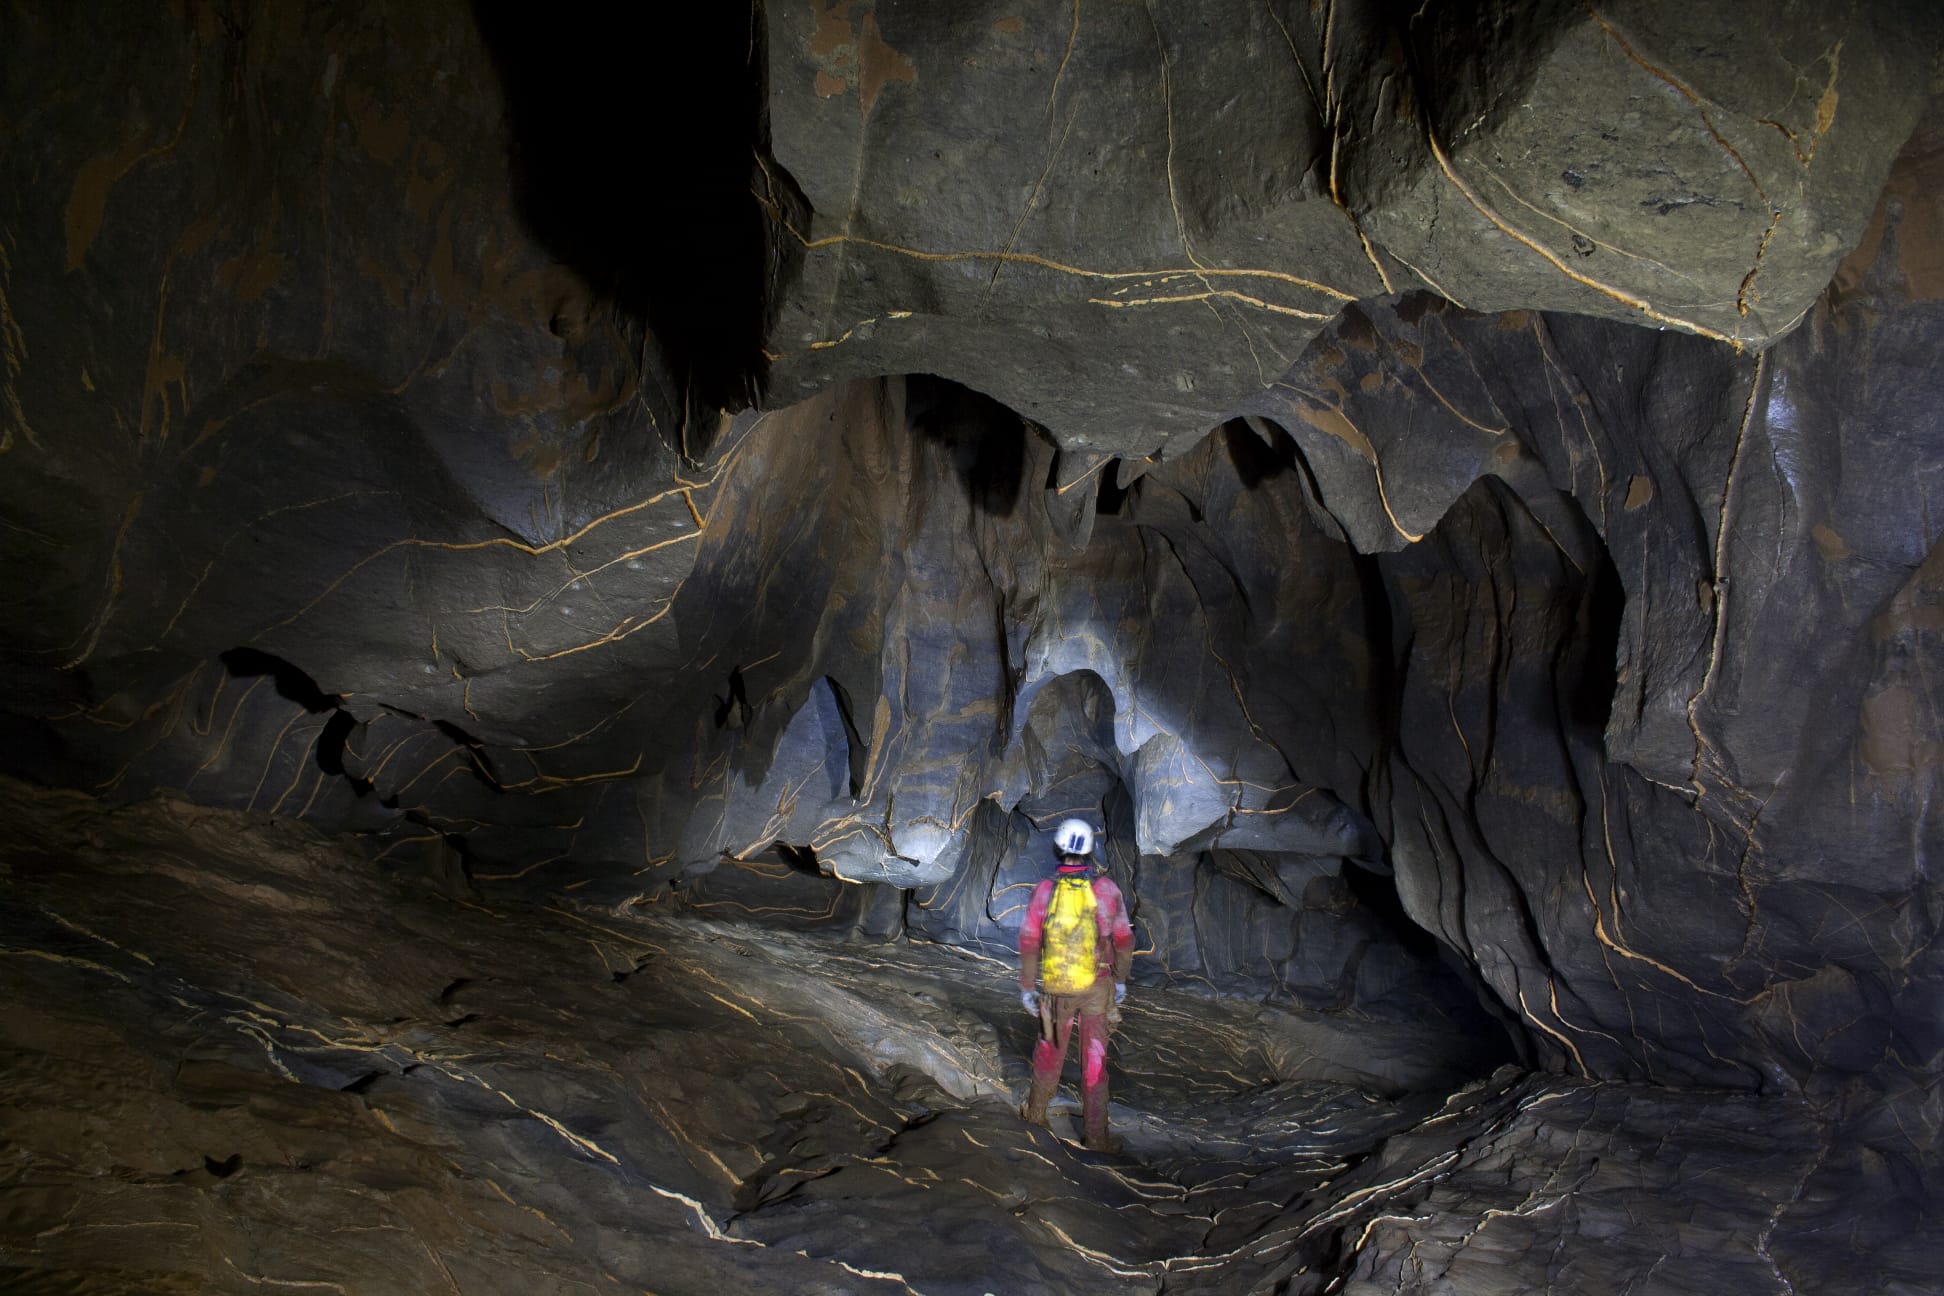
563, 567
662, 222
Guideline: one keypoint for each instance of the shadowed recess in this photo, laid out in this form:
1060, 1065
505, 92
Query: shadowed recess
634, 133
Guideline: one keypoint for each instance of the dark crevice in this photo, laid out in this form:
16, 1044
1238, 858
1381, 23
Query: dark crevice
330, 744
801, 859
478, 764
1111, 497
477, 761
858, 753
455, 733
290, 681
295, 685
732, 706
1594, 676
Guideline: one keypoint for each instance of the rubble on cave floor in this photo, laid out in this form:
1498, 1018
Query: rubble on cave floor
238, 1055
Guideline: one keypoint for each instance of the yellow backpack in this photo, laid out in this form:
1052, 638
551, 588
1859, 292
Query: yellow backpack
1070, 938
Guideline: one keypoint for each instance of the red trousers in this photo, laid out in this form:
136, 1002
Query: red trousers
1058, 1013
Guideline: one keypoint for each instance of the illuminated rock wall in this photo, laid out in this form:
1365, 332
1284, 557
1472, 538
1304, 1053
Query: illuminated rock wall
362, 466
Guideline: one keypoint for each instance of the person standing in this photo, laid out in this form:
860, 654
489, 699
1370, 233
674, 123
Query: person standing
1075, 950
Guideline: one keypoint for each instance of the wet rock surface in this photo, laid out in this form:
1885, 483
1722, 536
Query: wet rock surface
239, 1055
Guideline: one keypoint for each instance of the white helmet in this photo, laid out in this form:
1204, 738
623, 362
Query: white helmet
1074, 837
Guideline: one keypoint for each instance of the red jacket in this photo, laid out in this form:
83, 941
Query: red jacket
1116, 944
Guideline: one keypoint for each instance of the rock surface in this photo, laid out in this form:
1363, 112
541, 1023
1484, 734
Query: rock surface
1450, 493
237, 1056
1121, 220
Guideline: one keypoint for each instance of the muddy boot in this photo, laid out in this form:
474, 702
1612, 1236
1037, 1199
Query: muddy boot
1046, 1078
1094, 1123
1093, 1087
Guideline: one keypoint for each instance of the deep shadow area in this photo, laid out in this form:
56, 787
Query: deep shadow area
635, 133
330, 747
987, 441
290, 681
1598, 644
1111, 497
1501, 1036
1255, 460
857, 751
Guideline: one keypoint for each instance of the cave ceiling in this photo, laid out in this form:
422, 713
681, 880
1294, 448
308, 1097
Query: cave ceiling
1454, 493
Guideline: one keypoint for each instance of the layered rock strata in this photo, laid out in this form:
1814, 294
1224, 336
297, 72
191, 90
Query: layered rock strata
1451, 498
238, 1057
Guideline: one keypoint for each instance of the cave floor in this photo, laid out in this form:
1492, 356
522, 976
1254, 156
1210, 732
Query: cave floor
241, 1057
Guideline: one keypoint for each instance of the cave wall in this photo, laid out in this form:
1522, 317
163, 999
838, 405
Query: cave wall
1676, 837
340, 482
274, 324
1182, 662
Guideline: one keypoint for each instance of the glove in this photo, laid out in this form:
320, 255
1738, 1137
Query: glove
1120, 992
1029, 999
